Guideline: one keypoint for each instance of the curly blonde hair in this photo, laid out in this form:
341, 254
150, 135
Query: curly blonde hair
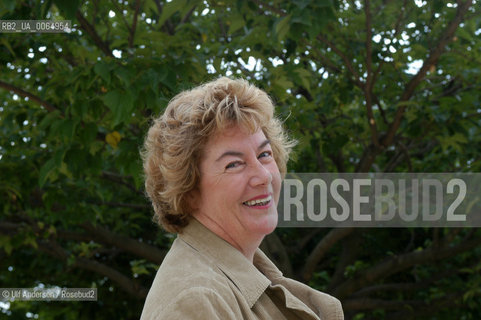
176, 139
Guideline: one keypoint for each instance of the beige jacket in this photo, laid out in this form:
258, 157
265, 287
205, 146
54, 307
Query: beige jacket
204, 277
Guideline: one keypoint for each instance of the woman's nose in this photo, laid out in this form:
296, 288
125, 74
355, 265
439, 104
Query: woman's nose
260, 175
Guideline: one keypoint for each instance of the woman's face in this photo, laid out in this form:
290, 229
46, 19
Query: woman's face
239, 184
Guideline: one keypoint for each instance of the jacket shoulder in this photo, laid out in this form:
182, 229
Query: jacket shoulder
186, 275
323, 304
194, 303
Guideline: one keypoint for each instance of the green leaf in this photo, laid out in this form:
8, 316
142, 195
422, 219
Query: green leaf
150, 6
88, 133
6, 244
30, 240
49, 119
302, 4
170, 8
465, 34
7, 45
46, 171
407, 103
140, 267
67, 128
120, 103
455, 141
7, 6
168, 78
68, 7
10, 189
52, 165
151, 78
305, 77
282, 27
236, 23
45, 7
103, 70
124, 75
284, 82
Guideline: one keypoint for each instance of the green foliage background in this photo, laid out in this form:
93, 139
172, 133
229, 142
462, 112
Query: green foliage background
374, 85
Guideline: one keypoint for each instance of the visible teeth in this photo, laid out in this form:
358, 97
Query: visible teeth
258, 201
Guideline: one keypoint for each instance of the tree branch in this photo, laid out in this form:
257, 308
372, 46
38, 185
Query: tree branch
52, 248
326, 62
381, 64
321, 164
99, 234
127, 284
371, 304
117, 178
369, 79
403, 287
329, 64
270, 8
29, 95
9, 227
122, 205
403, 152
96, 233
347, 62
372, 151
134, 24
188, 15
401, 262
102, 45
338, 160
120, 14
350, 251
333, 237
397, 29
167, 24
423, 311
135, 247
306, 238
396, 287
432, 59
378, 102
367, 159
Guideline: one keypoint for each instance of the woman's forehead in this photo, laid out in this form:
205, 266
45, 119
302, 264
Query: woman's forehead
232, 139
236, 133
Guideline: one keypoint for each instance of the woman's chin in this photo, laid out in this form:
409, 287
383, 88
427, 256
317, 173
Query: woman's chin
265, 225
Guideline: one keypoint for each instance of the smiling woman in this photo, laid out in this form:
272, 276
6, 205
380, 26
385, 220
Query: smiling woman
238, 189
213, 164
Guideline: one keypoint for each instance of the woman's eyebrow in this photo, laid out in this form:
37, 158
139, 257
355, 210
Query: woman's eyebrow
263, 144
230, 153
240, 154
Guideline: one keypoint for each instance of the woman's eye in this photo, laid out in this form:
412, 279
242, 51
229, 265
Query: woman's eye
233, 165
265, 154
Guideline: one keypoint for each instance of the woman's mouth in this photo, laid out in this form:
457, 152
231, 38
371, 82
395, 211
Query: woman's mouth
258, 202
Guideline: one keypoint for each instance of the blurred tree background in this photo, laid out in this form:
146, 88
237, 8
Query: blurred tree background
373, 85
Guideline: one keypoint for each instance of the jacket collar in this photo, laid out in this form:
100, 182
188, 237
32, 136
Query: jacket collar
251, 279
